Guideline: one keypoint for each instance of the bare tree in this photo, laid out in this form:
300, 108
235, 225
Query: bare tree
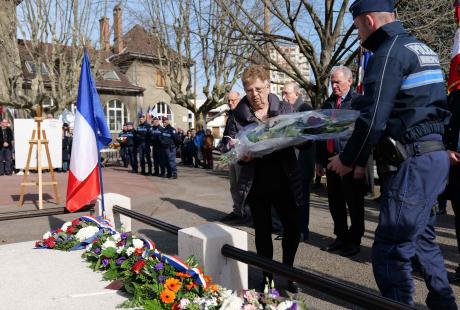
321, 29
190, 34
45, 64
432, 22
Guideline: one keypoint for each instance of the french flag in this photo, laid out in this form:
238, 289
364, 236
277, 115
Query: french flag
90, 135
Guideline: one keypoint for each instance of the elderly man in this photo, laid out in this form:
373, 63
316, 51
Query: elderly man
6, 148
403, 111
348, 190
293, 102
272, 180
240, 214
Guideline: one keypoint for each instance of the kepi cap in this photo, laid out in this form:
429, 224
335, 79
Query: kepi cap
365, 6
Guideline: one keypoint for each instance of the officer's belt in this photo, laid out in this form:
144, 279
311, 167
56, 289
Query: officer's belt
422, 147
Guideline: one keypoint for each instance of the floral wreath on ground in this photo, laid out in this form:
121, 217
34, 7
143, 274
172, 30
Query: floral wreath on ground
154, 280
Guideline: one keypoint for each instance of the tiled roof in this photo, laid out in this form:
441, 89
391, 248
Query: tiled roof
123, 84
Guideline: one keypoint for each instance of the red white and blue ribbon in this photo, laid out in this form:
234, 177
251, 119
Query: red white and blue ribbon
100, 222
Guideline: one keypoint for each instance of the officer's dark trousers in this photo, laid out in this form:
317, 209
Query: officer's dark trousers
6, 160
143, 150
406, 233
342, 192
124, 157
305, 210
454, 194
260, 202
170, 152
158, 160
132, 155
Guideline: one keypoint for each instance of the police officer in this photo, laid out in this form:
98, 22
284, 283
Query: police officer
158, 154
130, 146
122, 138
143, 144
169, 140
403, 111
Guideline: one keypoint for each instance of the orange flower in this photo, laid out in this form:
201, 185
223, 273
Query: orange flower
207, 278
213, 288
190, 285
183, 275
167, 296
172, 284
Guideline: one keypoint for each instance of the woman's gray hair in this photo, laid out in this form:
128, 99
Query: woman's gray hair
346, 71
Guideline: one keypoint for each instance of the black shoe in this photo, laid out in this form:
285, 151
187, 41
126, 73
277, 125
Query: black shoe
143, 173
292, 287
133, 171
162, 176
155, 174
337, 245
350, 250
169, 176
455, 278
174, 176
232, 216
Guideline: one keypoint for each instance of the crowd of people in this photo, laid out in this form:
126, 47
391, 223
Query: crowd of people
404, 117
151, 149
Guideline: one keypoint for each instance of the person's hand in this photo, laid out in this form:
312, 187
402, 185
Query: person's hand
232, 142
335, 164
359, 173
454, 157
319, 170
5, 144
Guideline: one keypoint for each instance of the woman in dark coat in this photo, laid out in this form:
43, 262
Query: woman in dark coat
273, 180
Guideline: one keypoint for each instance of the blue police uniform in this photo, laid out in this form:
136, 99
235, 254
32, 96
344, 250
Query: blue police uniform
158, 153
143, 146
168, 140
131, 149
405, 99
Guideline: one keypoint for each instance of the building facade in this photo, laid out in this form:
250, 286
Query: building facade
278, 79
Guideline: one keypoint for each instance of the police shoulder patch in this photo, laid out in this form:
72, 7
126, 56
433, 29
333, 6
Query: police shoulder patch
426, 56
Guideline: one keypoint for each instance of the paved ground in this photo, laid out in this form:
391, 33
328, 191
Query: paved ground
200, 196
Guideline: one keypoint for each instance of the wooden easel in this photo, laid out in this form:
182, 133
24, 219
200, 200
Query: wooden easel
41, 139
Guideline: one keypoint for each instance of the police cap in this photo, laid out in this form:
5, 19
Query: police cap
154, 118
165, 118
365, 6
129, 123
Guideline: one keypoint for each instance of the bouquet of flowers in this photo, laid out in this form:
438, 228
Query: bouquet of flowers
258, 140
154, 280
74, 235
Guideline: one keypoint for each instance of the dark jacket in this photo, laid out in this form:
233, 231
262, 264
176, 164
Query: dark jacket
9, 137
321, 146
405, 95
169, 137
243, 116
143, 133
453, 129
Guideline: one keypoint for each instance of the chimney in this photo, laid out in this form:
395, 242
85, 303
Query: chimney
117, 29
104, 33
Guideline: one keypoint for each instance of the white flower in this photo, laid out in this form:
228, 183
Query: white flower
66, 225
116, 237
109, 244
47, 235
130, 251
231, 303
88, 247
225, 293
119, 250
285, 305
86, 233
184, 302
138, 244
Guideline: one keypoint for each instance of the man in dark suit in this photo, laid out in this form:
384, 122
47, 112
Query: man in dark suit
348, 190
6, 148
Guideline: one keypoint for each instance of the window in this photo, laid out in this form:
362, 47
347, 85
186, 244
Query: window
160, 79
32, 68
109, 75
116, 114
162, 109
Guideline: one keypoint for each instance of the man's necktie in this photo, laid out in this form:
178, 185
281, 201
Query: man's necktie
330, 142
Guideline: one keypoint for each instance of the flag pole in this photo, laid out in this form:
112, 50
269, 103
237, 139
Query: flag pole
101, 185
